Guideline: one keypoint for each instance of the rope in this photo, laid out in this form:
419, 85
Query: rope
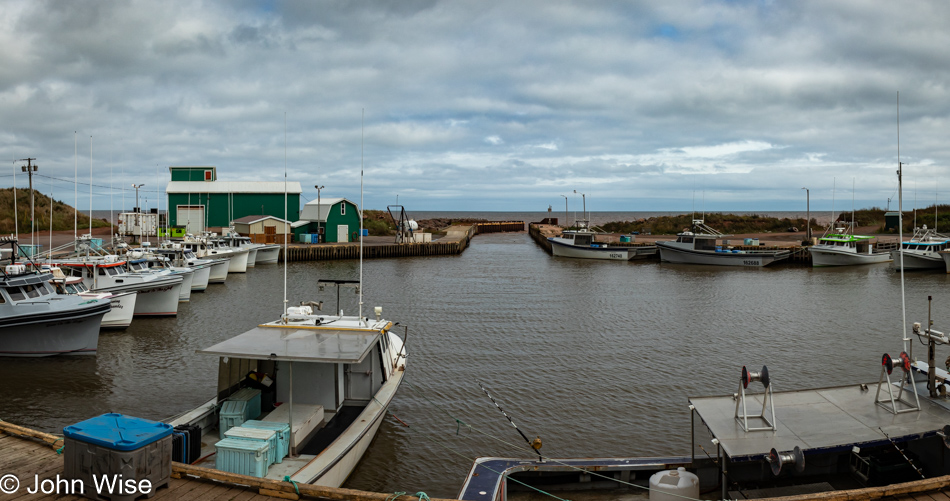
421, 495
393, 496
294, 482
520, 448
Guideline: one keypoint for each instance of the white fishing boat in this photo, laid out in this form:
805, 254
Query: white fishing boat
141, 261
35, 320
259, 253
183, 256
703, 245
844, 248
334, 377
580, 244
207, 247
123, 303
157, 296
922, 251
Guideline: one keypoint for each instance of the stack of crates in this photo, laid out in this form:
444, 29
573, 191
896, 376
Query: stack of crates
260, 435
118, 446
283, 435
186, 443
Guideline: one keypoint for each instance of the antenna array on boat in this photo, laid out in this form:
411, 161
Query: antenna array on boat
700, 224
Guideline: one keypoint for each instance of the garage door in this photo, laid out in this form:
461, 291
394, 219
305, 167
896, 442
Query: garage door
192, 217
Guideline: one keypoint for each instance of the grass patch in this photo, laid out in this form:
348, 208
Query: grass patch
63, 214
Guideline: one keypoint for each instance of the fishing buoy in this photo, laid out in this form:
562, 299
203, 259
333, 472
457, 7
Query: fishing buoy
674, 485
536, 443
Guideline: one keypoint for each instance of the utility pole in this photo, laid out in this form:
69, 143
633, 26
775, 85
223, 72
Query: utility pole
30, 168
138, 214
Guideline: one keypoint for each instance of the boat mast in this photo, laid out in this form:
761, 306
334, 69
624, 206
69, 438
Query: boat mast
76, 187
285, 238
900, 226
362, 118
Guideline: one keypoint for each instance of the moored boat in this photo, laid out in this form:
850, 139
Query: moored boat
580, 244
157, 295
922, 251
123, 303
702, 246
35, 320
844, 248
335, 375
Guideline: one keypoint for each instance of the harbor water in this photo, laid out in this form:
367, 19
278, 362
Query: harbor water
596, 358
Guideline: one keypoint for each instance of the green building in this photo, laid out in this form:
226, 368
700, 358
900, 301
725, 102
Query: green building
334, 219
198, 201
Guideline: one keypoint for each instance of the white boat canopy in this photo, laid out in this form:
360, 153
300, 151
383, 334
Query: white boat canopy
304, 344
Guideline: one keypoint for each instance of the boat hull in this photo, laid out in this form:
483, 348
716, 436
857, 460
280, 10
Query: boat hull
586, 252
840, 257
219, 272
201, 276
123, 308
153, 299
340, 458
672, 254
915, 261
72, 332
238, 262
251, 256
268, 254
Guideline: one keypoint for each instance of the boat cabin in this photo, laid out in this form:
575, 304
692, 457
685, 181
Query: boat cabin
699, 241
579, 239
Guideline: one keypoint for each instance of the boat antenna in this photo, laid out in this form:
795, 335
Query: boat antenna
285, 215
111, 194
834, 182
90, 186
76, 186
362, 118
852, 206
50, 255
537, 443
16, 219
900, 224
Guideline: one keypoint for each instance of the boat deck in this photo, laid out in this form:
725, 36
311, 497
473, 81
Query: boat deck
825, 419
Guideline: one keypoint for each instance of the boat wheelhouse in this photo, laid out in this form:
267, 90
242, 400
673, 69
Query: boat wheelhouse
844, 248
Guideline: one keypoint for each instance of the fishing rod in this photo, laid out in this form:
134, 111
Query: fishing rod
535, 445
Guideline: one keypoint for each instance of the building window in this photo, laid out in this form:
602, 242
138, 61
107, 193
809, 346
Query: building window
207, 175
342, 209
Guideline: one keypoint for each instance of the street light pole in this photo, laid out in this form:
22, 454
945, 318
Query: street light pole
807, 214
318, 187
584, 199
565, 210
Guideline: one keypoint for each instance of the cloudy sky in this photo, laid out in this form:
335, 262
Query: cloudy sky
488, 106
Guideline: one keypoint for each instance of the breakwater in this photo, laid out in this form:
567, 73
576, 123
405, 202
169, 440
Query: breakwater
456, 240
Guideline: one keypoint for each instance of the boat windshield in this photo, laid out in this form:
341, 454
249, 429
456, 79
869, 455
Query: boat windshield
582, 240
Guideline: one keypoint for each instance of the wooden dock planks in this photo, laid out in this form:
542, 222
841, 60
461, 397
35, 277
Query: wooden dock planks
28, 454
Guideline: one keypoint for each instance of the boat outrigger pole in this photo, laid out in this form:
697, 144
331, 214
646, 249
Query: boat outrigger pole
535, 445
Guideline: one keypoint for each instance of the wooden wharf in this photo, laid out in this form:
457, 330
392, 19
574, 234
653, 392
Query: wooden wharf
30, 454
456, 240
26, 453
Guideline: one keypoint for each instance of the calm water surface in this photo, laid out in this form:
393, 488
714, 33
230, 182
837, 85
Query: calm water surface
597, 358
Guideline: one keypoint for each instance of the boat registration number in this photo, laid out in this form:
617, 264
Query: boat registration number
750, 263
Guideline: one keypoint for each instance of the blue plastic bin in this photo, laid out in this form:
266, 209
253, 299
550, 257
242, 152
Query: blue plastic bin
283, 435
244, 457
253, 399
314, 238
233, 413
118, 432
